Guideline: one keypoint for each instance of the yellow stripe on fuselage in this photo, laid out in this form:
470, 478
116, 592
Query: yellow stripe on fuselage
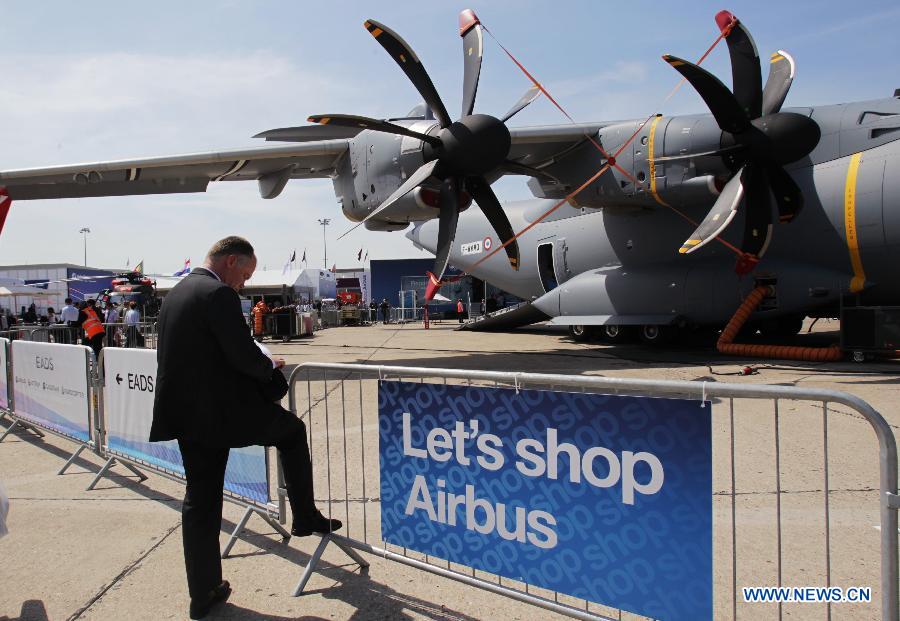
859, 276
652, 163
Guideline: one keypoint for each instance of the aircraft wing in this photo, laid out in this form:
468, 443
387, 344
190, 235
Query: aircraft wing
271, 166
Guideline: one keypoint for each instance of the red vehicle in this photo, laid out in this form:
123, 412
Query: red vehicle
349, 297
133, 287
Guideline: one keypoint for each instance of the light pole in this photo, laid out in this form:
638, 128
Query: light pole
84, 232
325, 222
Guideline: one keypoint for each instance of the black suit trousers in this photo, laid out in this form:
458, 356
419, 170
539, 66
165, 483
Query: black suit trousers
201, 512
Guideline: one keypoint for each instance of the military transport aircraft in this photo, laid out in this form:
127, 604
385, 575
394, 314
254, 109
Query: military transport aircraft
604, 249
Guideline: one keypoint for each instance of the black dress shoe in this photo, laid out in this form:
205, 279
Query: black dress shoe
201, 608
315, 524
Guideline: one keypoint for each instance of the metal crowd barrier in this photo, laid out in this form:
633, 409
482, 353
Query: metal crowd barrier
31, 399
143, 334
782, 513
38, 413
130, 447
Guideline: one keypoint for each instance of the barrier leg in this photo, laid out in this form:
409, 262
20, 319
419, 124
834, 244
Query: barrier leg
141, 476
109, 464
353, 554
311, 566
106, 466
237, 531
274, 524
71, 459
232, 539
314, 560
19, 422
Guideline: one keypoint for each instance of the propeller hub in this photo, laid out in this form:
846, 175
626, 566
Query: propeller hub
475, 144
782, 137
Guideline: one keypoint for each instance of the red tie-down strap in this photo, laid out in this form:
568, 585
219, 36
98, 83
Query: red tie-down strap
5, 204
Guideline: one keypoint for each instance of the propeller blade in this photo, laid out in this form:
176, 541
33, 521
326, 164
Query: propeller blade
725, 108
745, 71
364, 122
758, 210
720, 216
449, 216
415, 179
781, 74
473, 48
530, 95
308, 133
516, 168
788, 196
403, 55
483, 195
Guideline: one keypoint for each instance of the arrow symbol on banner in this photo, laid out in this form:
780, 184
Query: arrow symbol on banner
118, 378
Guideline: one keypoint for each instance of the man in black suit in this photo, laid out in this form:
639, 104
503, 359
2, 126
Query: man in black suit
215, 390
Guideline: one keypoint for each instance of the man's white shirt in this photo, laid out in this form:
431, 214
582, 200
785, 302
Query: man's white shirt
69, 313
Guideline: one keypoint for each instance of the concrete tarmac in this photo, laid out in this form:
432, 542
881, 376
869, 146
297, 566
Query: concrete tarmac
115, 552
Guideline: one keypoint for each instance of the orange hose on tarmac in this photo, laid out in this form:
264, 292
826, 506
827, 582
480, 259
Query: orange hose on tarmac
725, 345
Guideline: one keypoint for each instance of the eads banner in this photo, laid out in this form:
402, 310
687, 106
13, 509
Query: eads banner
4, 382
605, 498
50, 386
129, 384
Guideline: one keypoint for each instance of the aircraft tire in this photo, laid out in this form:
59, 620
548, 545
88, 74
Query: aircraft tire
652, 334
618, 335
582, 334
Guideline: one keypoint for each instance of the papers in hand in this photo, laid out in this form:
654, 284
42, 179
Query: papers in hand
266, 351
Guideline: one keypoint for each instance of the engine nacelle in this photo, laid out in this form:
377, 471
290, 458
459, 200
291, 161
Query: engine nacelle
374, 167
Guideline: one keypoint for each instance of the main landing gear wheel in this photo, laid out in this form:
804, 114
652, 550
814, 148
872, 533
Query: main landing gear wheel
582, 334
656, 335
618, 335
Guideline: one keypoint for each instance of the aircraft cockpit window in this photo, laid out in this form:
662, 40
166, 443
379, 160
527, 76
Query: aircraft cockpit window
545, 267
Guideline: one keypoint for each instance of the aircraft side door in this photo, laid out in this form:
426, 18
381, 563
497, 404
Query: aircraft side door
560, 260
546, 271
552, 264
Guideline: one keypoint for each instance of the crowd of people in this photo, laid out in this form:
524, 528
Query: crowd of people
85, 322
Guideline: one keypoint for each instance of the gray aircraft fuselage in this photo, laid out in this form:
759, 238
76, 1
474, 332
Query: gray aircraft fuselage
614, 257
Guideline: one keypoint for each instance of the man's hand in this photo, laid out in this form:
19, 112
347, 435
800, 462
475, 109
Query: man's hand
278, 362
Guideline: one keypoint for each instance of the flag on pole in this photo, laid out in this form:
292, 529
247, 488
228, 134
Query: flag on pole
304, 256
367, 256
139, 268
184, 271
334, 268
359, 254
287, 265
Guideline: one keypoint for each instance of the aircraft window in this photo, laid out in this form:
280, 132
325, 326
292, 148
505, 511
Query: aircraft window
641, 176
643, 140
545, 267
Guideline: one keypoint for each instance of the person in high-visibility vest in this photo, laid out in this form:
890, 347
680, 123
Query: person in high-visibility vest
93, 327
460, 310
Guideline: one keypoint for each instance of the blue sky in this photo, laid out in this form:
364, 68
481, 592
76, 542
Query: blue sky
109, 80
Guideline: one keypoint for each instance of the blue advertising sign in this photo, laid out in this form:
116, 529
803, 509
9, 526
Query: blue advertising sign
601, 497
